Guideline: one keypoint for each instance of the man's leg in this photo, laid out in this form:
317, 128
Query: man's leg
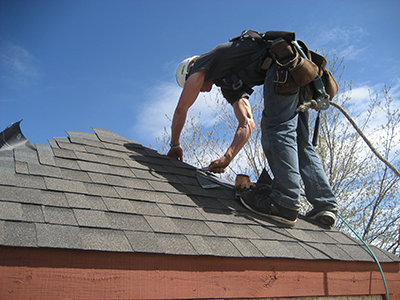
317, 187
279, 141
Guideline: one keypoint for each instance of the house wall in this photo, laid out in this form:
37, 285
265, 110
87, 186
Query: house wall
31, 273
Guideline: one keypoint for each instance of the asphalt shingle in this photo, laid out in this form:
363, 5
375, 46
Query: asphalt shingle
101, 191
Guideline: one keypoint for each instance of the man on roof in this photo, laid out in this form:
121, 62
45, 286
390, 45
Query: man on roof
236, 67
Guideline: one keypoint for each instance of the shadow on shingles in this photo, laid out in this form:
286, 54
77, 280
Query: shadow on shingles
207, 191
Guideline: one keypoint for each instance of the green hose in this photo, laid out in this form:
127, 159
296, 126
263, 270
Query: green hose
373, 255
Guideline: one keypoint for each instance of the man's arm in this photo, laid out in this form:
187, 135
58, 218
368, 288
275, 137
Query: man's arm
246, 125
188, 96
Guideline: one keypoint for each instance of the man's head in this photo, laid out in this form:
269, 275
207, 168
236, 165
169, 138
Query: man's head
183, 70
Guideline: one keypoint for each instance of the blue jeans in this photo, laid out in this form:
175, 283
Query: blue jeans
286, 144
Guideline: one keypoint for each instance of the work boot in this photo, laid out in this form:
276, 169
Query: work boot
258, 200
324, 217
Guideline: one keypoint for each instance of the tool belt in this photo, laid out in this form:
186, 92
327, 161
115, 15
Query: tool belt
294, 71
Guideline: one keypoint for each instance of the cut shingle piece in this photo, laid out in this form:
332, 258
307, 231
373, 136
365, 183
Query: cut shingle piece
169, 210
7, 163
200, 245
53, 144
53, 198
102, 190
320, 251
144, 242
272, 233
58, 236
91, 218
87, 156
67, 163
55, 184
32, 213
85, 201
121, 171
118, 205
22, 180
86, 142
18, 234
210, 202
162, 224
97, 178
94, 167
105, 240
21, 167
358, 251
75, 175
42, 170
127, 222
69, 146
272, 249
45, 154
192, 227
98, 150
182, 199
27, 155
149, 174
189, 212
20, 195
167, 187
221, 246
64, 153
174, 244
296, 250
246, 248
109, 134
232, 230
146, 208
129, 193
83, 135
113, 161
58, 215
302, 235
11, 211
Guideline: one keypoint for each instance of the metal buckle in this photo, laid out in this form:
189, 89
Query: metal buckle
237, 85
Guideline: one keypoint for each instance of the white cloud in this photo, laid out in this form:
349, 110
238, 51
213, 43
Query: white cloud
360, 100
17, 65
160, 102
342, 41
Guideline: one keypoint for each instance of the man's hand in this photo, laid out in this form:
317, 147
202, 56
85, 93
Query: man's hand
176, 152
219, 165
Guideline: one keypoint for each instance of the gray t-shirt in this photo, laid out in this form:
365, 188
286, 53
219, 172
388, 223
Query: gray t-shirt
221, 60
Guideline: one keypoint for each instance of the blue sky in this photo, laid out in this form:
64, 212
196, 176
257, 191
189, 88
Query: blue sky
69, 65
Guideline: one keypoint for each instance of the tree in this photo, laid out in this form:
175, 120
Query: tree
366, 189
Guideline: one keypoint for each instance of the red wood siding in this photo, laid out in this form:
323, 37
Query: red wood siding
68, 274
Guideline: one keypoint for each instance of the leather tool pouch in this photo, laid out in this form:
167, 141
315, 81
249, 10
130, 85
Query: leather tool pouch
331, 86
293, 71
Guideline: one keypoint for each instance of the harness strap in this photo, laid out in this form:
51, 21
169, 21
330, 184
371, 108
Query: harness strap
264, 41
232, 76
253, 34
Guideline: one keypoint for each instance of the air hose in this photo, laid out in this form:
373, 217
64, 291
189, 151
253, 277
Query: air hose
372, 254
397, 172
322, 103
393, 168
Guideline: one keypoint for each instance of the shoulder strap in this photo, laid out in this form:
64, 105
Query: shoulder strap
253, 34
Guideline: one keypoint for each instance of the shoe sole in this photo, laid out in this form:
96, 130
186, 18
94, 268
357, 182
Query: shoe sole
326, 218
275, 218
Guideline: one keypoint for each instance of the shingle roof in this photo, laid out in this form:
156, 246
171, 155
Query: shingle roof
101, 191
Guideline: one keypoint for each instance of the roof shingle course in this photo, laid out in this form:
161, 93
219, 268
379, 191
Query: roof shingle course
101, 191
